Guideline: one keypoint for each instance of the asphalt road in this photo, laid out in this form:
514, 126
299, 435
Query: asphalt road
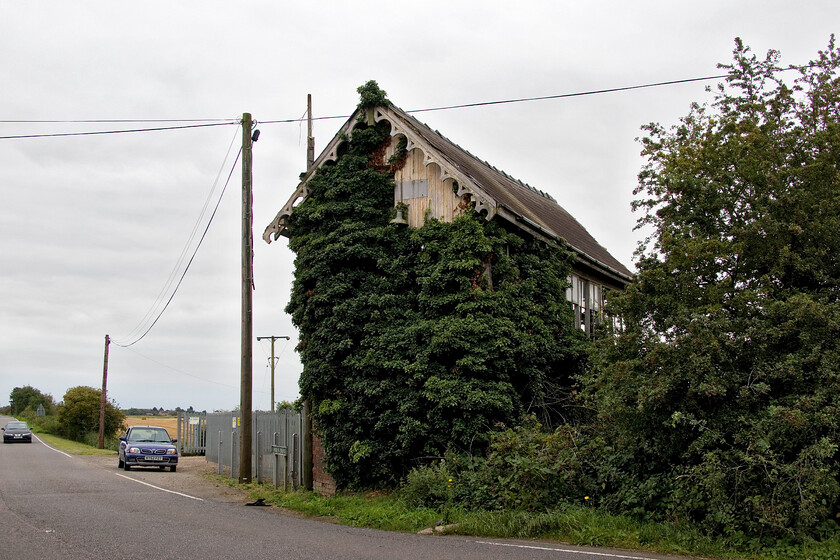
54, 506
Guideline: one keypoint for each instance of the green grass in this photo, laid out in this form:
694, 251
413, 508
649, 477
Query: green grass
577, 525
73, 447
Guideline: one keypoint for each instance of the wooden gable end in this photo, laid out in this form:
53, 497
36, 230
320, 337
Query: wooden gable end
439, 179
421, 188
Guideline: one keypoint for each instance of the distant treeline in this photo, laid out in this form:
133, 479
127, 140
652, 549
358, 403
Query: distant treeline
155, 411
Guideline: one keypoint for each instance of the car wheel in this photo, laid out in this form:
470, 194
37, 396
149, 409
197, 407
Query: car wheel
172, 468
120, 463
126, 466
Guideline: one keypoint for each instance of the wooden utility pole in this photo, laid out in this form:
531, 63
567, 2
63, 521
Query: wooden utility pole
103, 398
306, 420
310, 140
272, 339
245, 389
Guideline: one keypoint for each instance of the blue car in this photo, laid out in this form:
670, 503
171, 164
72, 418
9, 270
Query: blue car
147, 446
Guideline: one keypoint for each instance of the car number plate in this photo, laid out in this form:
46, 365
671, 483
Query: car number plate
18, 436
153, 458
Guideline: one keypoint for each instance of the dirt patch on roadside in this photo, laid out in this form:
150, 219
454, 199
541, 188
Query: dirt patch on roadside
190, 478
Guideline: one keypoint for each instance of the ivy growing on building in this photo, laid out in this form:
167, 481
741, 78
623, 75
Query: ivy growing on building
418, 340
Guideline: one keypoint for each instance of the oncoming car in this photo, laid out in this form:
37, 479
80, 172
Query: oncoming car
17, 431
147, 446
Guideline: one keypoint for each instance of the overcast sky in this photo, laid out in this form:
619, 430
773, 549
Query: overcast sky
92, 227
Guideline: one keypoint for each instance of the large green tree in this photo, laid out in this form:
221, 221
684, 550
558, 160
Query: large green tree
720, 399
408, 346
28, 397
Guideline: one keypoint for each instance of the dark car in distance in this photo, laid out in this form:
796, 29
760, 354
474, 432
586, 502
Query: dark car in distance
147, 446
17, 432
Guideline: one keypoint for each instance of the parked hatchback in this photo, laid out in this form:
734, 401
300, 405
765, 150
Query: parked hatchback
147, 446
17, 431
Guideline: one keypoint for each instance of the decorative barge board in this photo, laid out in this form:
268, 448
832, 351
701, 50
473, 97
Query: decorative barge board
440, 179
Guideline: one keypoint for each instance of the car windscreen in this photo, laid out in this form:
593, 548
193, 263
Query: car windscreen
149, 436
16, 426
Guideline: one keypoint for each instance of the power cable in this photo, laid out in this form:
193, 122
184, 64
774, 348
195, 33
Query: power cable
111, 121
172, 275
526, 99
182, 372
566, 95
122, 131
213, 122
187, 268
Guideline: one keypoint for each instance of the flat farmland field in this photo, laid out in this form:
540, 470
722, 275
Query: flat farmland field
168, 422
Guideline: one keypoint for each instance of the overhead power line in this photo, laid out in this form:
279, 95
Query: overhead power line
526, 99
159, 300
100, 121
121, 131
187, 268
225, 122
565, 95
182, 372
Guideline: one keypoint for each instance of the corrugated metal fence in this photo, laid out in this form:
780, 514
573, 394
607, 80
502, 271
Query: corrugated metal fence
276, 443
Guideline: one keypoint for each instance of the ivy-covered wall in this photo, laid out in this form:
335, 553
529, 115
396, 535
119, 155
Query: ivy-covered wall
417, 340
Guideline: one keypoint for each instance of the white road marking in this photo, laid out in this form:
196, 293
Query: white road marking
50, 447
159, 488
568, 551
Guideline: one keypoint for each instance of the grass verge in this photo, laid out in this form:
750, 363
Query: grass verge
73, 447
583, 526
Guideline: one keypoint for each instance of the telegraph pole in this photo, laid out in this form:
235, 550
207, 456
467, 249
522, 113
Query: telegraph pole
306, 428
272, 339
245, 388
102, 397
310, 141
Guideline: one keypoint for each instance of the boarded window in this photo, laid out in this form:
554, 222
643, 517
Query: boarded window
405, 190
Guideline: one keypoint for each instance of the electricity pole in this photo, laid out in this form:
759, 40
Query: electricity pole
102, 397
245, 388
310, 141
272, 338
306, 428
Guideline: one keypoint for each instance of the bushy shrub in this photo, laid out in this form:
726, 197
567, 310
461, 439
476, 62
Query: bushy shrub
78, 415
526, 468
720, 396
46, 424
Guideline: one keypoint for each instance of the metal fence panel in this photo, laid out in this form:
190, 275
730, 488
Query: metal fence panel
271, 433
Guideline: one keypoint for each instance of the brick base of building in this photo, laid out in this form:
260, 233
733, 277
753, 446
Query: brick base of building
322, 482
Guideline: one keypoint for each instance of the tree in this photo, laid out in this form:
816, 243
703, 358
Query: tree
720, 400
22, 398
78, 415
407, 347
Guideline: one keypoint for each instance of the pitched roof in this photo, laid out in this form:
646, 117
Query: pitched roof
492, 189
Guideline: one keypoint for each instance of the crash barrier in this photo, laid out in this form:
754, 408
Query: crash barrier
276, 445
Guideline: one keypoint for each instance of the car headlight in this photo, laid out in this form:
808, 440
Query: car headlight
171, 452
134, 450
